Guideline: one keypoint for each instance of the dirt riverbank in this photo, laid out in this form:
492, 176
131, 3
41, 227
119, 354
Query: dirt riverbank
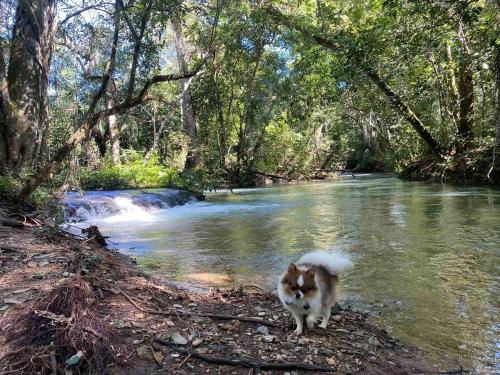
69, 306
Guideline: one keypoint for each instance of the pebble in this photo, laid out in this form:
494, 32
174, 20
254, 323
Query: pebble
144, 351
331, 361
373, 341
326, 352
269, 338
178, 339
263, 330
177, 306
197, 342
337, 318
261, 313
287, 345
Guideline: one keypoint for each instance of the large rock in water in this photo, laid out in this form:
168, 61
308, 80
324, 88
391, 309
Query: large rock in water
76, 207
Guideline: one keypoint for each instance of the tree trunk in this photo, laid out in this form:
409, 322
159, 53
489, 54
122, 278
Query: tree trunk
494, 172
219, 114
406, 111
454, 102
24, 103
246, 117
187, 114
497, 113
114, 131
465, 90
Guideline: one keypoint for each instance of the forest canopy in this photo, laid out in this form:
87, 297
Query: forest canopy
203, 94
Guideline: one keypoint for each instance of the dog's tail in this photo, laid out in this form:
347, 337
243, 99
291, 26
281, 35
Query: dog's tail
335, 262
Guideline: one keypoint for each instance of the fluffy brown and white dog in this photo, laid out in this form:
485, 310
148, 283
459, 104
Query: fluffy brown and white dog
308, 287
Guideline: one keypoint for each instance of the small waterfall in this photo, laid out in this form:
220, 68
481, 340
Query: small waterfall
133, 204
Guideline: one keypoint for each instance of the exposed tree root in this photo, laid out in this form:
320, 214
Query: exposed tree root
55, 327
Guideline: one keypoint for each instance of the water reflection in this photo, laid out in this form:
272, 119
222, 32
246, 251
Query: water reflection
426, 255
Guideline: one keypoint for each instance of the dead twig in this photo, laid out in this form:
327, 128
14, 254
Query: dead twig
184, 361
249, 363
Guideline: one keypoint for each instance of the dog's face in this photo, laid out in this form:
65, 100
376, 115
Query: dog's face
298, 284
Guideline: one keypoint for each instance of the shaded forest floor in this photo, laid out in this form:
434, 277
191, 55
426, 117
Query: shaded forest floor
69, 306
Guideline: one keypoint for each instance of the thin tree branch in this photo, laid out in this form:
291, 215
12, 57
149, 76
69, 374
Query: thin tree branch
78, 12
137, 50
250, 362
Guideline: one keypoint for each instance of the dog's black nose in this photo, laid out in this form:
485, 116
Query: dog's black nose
297, 295
306, 306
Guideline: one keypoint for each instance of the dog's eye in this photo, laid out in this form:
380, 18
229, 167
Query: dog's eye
293, 287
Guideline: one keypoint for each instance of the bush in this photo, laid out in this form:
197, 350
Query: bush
11, 186
134, 173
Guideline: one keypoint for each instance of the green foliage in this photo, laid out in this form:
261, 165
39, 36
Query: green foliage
134, 173
10, 187
283, 150
272, 99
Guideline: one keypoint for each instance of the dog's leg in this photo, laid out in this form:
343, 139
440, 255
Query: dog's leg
311, 320
326, 316
300, 323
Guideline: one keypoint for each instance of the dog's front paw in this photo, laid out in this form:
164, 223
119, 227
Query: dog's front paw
323, 325
298, 331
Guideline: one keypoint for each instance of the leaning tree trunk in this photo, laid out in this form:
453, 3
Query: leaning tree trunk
187, 112
24, 103
394, 99
405, 111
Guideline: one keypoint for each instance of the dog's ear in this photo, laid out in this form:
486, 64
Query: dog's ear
292, 268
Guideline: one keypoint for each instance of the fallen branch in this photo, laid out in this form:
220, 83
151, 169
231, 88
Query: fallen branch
188, 313
248, 363
225, 317
348, 171
275, 176
10, 249
11, 223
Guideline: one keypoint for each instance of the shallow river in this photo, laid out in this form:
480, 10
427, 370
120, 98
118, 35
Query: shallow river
426, 255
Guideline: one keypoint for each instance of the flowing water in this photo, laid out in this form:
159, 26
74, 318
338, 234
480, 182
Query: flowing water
426, 255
